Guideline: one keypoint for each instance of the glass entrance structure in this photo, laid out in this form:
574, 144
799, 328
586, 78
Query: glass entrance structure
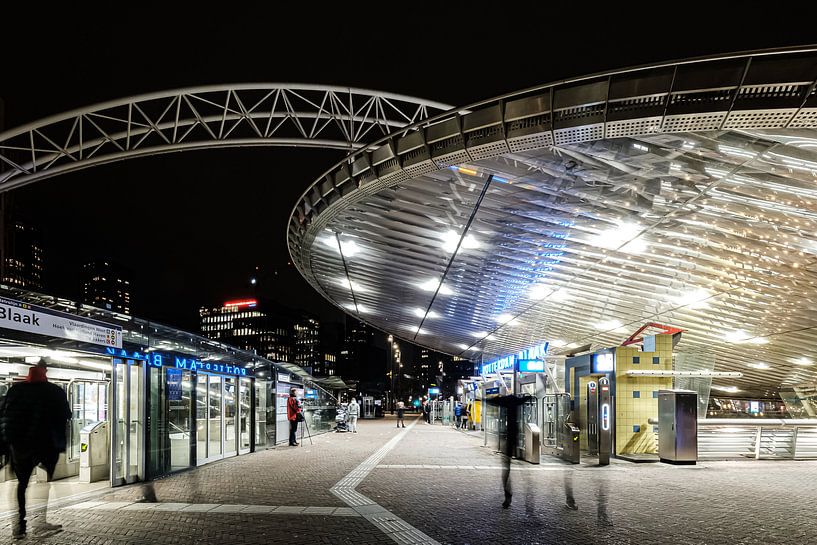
172, 400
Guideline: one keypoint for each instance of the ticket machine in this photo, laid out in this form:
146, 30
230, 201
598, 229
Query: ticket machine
605, 421
592, 418
599, 419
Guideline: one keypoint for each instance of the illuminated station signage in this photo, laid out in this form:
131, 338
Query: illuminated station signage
157, 359
528, 360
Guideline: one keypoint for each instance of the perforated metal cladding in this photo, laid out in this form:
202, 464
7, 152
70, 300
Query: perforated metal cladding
693, 122
807, 117
456, 158
633, 127
579, 134
758, 119
645, 172
488, 150
423, 167
531, 142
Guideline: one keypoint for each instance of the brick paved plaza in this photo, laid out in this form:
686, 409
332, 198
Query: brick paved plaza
436, 485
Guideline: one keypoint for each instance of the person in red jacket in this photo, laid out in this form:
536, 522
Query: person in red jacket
293, 410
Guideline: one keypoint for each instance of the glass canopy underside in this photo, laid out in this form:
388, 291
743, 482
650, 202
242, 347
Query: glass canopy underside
583, 244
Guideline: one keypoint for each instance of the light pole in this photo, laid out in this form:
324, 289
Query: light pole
390, 374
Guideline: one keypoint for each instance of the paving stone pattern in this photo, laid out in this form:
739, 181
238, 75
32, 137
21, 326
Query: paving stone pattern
447, 485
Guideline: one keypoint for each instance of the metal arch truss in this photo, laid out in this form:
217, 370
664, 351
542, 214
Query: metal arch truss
204, 117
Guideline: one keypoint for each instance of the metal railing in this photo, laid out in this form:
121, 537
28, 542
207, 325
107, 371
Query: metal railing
759, 439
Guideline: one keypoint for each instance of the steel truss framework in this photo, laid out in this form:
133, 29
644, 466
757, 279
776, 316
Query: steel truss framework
204, 117
684, 194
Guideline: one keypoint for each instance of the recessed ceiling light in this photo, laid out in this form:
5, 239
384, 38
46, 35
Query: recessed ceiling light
607, 325
431, 285
557, 343
759, 365
504, 318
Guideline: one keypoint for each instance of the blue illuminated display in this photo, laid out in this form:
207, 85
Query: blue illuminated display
192, 364
530, 366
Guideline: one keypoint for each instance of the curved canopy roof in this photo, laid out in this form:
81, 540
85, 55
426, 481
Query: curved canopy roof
684, 194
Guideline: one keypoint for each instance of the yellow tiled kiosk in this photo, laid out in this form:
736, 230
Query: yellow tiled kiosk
635, 395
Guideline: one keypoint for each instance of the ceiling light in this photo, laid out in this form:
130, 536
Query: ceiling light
737, 336
462, 346
538, 292
729, 389
759, 365
557, 343
607, 325
622, 233
420, 313
504, 318
693, 299
452, 238
359, 308
479, 334
431, 285
348, 284
802, 361
350, 247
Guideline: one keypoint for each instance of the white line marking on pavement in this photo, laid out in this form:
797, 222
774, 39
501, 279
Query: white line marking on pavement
222, 508
390, 524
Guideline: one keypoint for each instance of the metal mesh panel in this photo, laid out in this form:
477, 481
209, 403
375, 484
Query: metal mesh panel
758, 119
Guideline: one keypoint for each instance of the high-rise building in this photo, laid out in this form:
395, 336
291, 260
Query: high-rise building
21, 249
308, 343
360, 359
107, 285
252, 324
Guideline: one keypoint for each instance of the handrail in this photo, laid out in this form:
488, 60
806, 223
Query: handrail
764, 422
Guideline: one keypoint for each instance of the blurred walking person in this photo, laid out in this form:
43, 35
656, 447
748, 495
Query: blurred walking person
509, 404
353, 411
33, 418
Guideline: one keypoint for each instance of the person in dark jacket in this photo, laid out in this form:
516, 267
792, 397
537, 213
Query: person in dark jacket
32, 423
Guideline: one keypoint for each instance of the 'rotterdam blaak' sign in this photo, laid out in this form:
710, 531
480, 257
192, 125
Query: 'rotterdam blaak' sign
53, 323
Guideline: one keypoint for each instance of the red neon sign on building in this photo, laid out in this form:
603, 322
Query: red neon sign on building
241, 303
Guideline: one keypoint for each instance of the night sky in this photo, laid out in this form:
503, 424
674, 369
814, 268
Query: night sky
193, 226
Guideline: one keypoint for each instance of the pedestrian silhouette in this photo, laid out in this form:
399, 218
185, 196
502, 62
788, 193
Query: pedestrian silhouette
33, 415
509, 405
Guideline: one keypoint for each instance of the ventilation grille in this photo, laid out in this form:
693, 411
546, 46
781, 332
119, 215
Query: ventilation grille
693, 122
531, 141
721, 96
530, 123
634, 127
755, 92
806, 118
418, 169
632, 106
443, 146
455, 158
758, 119
488, 150
579, 113
579, 134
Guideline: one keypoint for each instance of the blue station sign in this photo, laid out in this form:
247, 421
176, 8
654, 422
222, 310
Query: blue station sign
181, 362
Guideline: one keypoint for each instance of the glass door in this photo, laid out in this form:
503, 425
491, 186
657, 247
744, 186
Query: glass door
244, 414
201, 419
214, 418
230, 410
127, 422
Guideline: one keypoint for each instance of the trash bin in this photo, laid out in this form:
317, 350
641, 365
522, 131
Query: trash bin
94, 453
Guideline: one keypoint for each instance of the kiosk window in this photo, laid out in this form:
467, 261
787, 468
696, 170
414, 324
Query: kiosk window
656, 359
636, 429
636, 359
636, 393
